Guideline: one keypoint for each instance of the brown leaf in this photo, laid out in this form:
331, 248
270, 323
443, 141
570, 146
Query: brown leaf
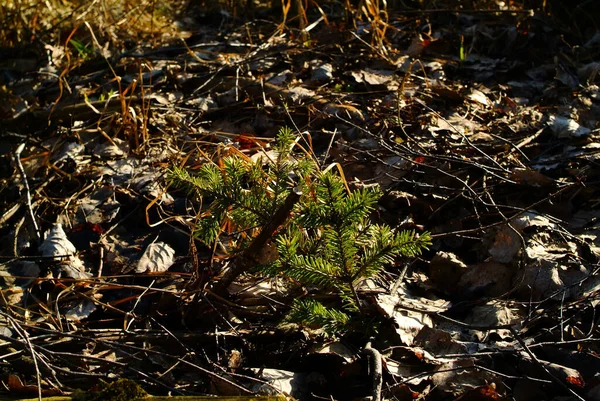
15, 384
530, 177
446, 270
483, 393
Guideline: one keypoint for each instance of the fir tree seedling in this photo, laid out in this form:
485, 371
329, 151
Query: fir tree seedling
325, 242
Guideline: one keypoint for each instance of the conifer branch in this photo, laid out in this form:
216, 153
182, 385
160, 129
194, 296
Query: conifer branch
247, 259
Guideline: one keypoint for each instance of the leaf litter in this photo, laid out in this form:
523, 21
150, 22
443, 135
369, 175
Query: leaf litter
480, 127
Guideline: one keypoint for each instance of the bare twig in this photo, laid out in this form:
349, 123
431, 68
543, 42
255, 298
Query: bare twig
18, 152
34, 354
541, 366
514, 216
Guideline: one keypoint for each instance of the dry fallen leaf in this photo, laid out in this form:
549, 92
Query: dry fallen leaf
530, 177
563, 127
157, 258
58, 245
446, 269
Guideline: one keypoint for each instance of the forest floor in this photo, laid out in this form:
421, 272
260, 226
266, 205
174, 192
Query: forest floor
480, 126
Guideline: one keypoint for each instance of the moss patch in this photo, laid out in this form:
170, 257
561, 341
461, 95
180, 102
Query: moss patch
121, 390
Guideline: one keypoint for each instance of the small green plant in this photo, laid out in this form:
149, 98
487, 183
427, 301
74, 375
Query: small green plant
327, 242
103, 96
86, 52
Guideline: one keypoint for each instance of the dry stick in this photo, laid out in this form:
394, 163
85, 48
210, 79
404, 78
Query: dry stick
247, 259
514, 216
210, 374
26, 184
465, 368
375, 369
34, 355
503, 326
438, 115
528, 11
564, 289
120, 346
489, 169
540, 365
81, 110
453, 321
131, 312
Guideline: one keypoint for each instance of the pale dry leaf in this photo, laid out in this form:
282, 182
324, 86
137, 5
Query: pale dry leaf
345, 111
115, 150
493, 313
372, 77
439, 342
70, 150
157, 258
456, 125
408, 322
254, 291
537, 281
281, 77
203, 103
336, 348
100, 207
478, 96
298, 93
73, 267
563, 127
533, 219
458, 376
12, 296
322, 73
57, 243
279, 381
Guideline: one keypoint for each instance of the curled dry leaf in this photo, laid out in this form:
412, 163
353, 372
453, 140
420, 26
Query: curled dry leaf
438, 342
58, 245
493, 313
478, 96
